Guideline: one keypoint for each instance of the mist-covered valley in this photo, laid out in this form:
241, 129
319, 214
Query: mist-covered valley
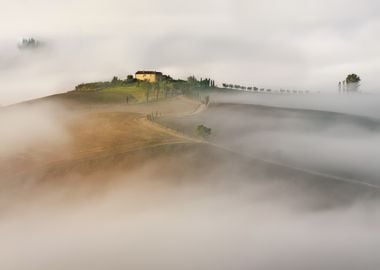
310, 132
111, 190
127, 140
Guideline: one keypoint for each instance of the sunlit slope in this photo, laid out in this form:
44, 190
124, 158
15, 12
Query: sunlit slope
106, 141
114, 141
97, 132
109, 96
132, 93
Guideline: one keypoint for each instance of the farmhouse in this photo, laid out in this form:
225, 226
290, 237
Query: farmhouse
150, 76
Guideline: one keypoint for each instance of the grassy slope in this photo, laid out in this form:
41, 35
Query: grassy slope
101, 131
106, 96
110, 95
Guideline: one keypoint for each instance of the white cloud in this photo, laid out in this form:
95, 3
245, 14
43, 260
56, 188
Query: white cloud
289, 44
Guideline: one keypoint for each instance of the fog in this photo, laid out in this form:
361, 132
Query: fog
199, 206
32, 126
283, 182
354, 104
333, 134
269, 44
186, 228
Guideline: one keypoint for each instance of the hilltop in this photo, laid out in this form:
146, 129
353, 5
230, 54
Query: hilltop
115, 128
134, 91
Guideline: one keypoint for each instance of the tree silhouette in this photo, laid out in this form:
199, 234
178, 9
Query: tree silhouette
115, 80
30, 43
353, 82
130, 79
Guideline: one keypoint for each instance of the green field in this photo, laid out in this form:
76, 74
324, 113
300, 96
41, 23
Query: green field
117, 94
132, 91
114, 94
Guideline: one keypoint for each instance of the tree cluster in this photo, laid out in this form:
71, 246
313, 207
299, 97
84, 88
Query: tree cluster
202, 83
350, 84
30, 43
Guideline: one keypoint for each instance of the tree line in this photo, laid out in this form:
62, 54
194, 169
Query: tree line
262, 90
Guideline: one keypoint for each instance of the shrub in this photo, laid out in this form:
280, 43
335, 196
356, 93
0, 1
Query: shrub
203, 131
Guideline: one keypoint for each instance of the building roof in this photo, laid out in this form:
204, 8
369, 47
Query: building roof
148, 72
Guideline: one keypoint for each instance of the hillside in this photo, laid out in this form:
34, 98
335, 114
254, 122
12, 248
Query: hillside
75, 171
105, 140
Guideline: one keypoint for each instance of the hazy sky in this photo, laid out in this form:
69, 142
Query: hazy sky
301, 44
